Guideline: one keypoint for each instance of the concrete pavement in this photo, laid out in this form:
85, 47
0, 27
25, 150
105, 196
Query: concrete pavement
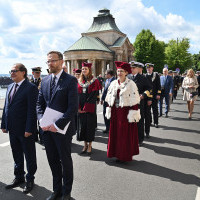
167, 168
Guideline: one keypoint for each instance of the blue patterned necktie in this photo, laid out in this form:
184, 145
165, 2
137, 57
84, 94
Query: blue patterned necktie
53, 85
165, 80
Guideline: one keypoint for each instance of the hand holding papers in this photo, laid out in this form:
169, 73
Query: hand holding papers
50, 117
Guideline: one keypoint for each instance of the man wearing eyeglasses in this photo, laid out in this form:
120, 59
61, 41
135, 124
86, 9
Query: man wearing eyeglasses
59, 92
19, 119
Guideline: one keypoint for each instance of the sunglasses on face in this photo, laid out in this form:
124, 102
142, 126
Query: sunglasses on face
14, 71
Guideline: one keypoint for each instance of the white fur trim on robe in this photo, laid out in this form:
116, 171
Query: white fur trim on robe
128, 95
108, 112
133, 116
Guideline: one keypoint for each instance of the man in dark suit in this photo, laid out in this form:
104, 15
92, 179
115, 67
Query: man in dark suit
19, 119
144, 89
166, 82
176, 84
36, 79
109, 78
154, 78
59, 92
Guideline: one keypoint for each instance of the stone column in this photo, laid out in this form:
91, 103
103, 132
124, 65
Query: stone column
68, 66
111, 64
73, 66
103, 67
94, 67
92, 60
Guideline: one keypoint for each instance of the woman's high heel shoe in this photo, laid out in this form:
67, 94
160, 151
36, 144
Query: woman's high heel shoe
84, 150
89, 152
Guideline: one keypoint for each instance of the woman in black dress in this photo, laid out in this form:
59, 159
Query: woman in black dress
88, 90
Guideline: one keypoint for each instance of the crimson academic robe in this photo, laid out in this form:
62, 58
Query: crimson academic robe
123, 136
88, 95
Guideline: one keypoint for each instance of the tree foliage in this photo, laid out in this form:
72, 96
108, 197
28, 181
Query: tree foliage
149, 50
196, 61
177, 55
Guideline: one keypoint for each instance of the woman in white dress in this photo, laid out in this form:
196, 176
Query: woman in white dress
190, 85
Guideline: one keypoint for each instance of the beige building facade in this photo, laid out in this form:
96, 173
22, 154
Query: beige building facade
101, 45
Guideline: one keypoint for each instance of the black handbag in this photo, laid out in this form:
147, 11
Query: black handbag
193, 94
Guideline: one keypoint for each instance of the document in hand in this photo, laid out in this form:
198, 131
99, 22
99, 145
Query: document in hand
50, 117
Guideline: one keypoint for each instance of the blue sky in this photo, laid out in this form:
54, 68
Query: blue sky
189, 9
31, 28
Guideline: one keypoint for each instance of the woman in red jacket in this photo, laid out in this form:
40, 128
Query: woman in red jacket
88, 90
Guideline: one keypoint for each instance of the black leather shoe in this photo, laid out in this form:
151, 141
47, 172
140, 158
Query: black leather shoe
15, 183
147, 136
166, 115
54, 196
28, 187
156, 125
141, 144
66, 197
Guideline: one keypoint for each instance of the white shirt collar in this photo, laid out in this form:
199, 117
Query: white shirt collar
135, 75
19, 83
57, 75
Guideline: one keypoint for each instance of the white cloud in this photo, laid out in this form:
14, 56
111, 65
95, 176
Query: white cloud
165, 28
29, 29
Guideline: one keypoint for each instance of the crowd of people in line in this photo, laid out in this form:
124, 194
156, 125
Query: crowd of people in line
127, 98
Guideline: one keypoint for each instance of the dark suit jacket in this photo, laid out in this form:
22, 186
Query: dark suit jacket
38, 83
143, 84
64, 99
106, 89
155, 80
19, 116
167, 85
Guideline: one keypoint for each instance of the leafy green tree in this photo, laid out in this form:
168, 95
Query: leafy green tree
177, 55
196, 61
148, 49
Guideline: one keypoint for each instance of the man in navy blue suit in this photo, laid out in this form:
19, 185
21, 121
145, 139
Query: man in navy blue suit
59, 92
166, 83
20, 120
109, 78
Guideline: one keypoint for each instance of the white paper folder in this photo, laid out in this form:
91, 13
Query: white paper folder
50, 117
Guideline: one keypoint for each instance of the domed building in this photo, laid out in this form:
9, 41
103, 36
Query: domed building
102, 44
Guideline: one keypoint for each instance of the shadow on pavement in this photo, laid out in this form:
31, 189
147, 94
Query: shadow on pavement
183, 118
97, 155
175, 110
179, 103
170, 141
156, 170
179, 129
144, 166
172, 152
38, 193
101, 139
100, 124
